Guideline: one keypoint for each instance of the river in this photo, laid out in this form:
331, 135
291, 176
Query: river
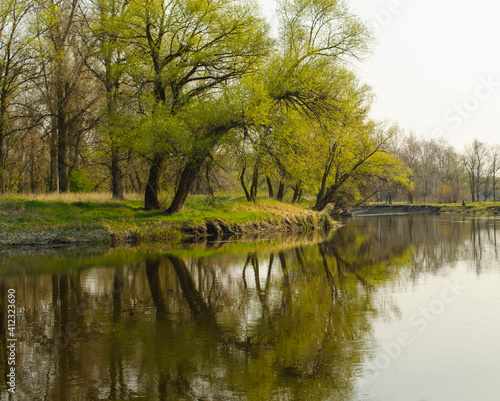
402, 308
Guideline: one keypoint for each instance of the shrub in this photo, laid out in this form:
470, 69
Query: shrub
80, 182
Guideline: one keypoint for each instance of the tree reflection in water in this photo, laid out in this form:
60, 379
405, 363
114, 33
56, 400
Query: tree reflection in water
284, 323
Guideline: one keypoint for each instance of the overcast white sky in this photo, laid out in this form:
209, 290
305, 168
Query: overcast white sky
435, 68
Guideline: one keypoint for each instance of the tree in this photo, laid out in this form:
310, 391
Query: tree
450, 187
13, 65
436, 170
208, 122
64, 84
474, 160
358, 155
300, 79
494, 159
109, 61
408, 151
190, 49
428, 169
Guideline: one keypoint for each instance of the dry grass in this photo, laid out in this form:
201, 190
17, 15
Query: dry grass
278, 208
99, 197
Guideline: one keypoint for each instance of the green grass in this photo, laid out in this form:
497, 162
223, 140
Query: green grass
75, 217
18, 211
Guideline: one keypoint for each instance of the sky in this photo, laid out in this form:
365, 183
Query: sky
434, 67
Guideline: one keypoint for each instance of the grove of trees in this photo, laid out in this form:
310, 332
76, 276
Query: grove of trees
440, 173
180, 96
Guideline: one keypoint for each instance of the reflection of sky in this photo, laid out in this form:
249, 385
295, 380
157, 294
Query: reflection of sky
454, 348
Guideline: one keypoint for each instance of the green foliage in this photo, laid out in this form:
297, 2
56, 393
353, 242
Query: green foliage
80, 182
196, 85
357, 156
161, 131
321, 27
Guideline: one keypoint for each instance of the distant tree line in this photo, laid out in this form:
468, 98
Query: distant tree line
439, 173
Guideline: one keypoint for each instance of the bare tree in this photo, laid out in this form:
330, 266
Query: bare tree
13, 63
494, 160
474, 159
65, 87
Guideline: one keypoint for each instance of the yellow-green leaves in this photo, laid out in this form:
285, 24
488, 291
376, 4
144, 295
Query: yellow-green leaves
321, 28
160, 131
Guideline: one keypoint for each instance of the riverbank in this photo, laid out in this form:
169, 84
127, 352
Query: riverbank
487, 208
66, 221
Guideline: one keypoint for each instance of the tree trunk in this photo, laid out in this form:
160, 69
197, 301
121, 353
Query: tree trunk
320, 204
297, 193
473, 187
270, 187
281, 191
186, 181
151, 201
193, 166
494, 185
243, 185
116, 175
33, 176
140, 184
2, 184
54, 177
322, 190
326, 172
62, 155
323, 201
478, 186
255, 182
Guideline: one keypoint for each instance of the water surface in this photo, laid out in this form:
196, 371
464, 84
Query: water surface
387, 308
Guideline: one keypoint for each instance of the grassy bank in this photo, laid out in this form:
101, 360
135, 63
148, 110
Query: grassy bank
472, 208
75, 220
486, 208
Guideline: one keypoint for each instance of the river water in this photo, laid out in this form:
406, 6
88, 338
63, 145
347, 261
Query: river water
403, 308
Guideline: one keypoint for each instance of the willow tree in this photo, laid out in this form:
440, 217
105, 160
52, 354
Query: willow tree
208, 121
314, 37
190, 49
353, 157
281, 149
350, 150
317, 38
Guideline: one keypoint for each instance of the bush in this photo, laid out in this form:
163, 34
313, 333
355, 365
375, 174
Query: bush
80, 182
